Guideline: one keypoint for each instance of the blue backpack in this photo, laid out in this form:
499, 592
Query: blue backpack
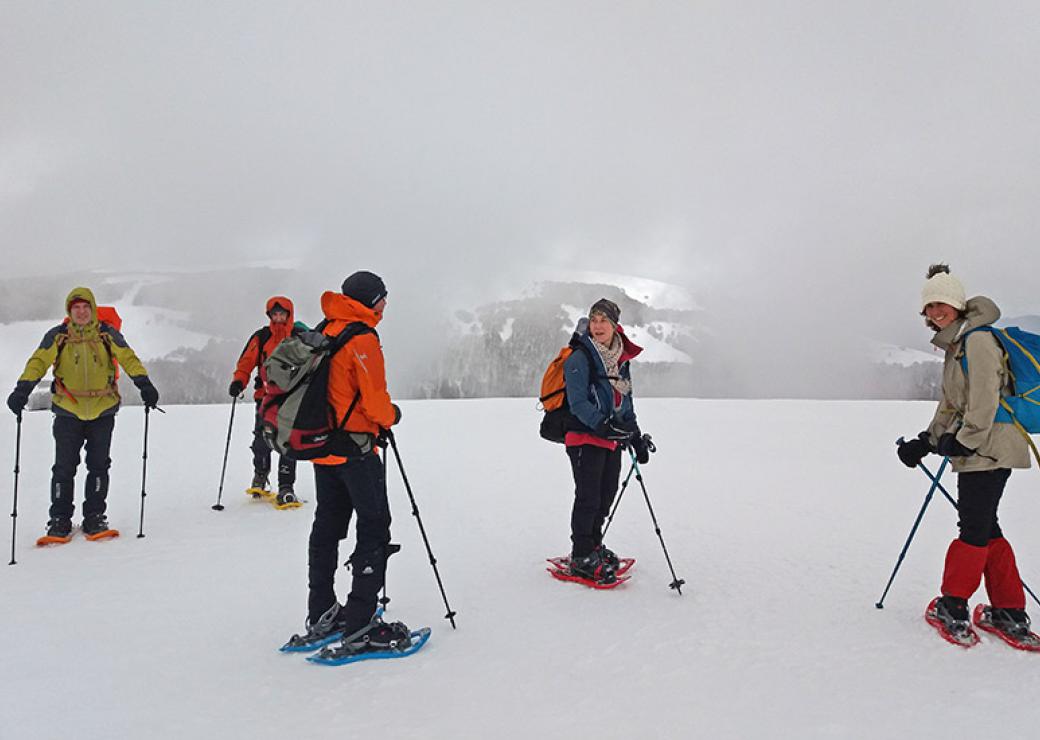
1022, 355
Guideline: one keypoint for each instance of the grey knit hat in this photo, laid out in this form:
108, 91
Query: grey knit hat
608, 308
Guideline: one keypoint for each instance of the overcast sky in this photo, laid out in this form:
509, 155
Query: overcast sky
799, 164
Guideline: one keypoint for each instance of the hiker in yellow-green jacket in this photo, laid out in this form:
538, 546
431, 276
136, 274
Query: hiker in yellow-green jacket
83, 352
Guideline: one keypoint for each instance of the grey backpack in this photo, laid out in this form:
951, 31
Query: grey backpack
297, 419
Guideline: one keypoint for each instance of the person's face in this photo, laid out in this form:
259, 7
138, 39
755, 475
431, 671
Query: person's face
380, 307
940, 314
278, 316
79, 313
601, 329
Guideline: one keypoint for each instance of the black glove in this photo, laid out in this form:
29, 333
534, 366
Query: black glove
642, 446
614, 430
912, 452
397, 414
950, 447
236, 388
20, 396
149, 395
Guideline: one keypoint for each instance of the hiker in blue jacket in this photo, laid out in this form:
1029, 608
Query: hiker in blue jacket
599, 395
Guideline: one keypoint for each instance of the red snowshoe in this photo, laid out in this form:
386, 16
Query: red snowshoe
1010, 625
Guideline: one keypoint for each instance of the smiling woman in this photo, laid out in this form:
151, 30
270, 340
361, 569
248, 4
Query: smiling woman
599, 395
983, 450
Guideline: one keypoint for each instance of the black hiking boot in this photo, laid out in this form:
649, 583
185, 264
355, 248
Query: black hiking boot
59, 527
95, 524
1012, 622
286, 495
321, 631
260, 482
608, 556
953, 613
593, 567
377, 635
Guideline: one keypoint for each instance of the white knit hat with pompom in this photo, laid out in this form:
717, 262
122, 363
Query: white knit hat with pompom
942, 287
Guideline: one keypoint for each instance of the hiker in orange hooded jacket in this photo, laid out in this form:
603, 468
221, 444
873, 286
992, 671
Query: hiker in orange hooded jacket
354, 480
281, 325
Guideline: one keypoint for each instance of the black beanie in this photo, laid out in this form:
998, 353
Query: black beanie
608, 308
365, 287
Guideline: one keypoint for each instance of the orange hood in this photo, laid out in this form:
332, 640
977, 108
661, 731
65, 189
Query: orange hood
338, 307
280, 331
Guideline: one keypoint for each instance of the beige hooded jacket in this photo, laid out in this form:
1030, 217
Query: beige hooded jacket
969, 403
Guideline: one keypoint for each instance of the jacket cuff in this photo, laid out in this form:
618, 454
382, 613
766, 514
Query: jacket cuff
141, 381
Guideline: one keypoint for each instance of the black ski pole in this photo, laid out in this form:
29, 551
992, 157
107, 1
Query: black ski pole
450, 616
227, 446
14, 508
144, 465
390, 548
953, 503
677, 583
617, 500
913, 530
652, 448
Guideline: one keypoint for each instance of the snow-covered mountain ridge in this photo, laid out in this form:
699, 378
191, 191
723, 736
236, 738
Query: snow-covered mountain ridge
502, 348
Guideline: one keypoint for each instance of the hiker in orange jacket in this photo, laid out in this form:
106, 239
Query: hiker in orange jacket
353, 480
261, 344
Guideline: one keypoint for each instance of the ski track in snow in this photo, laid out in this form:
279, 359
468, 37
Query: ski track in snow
784, 517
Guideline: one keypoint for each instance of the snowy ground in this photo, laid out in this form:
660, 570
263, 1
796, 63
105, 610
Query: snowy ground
785, 519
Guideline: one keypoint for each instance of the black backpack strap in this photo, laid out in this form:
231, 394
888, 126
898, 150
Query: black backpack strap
263, 336
576, 343
350, 410
353, 329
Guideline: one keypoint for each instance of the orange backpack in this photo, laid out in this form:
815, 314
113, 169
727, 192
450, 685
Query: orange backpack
558, 419
554, 386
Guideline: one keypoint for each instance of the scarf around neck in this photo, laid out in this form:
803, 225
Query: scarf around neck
610, 356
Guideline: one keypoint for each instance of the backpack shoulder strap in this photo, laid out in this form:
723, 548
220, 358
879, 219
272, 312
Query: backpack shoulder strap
593, 367
106, 337
263, 336
964, 344
353, 329
59, 341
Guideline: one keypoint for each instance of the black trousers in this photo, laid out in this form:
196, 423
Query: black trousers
262, 454
596, 472
358, 486
978, 496
70, 436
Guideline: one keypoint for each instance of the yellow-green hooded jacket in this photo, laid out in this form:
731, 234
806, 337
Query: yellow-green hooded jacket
82, 356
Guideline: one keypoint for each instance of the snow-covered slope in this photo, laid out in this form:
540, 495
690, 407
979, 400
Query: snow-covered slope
785, 540
152, 331
890, 354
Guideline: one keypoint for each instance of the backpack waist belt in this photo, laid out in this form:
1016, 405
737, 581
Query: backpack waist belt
109, 390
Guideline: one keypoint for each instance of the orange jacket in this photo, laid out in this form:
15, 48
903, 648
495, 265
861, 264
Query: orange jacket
262, 344
358, 367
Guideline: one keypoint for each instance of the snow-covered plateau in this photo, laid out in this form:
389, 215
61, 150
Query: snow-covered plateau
785, 518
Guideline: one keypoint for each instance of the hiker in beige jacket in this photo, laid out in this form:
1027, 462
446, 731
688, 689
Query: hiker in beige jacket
981, 450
